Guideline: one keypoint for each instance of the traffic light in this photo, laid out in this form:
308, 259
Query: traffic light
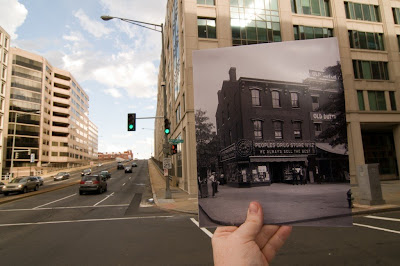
166, 126
132, 122
174, 149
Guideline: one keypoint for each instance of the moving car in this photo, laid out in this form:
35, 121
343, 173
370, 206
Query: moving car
93, 183
134, 164
1, 187
40, 179
105, 174
120, 166
128, 169
61, 176
86, 172
21, 185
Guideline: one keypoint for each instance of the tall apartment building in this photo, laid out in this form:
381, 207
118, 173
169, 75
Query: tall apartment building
46, 115
93, 141
368, 33
4, 54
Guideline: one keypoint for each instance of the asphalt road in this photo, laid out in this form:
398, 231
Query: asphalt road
120, 227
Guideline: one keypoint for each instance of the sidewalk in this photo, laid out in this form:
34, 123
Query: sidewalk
183, 202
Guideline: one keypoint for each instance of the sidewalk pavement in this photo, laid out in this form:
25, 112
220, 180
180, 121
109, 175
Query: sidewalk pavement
188, 203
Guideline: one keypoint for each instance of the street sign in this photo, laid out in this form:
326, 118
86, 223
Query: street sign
32, 157
167, 163
175, 141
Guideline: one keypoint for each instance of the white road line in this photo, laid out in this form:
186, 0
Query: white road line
382, 218
87, 220
104, 199
123, 184
377, 228
202, 228
61, 208
130, 178
54, 201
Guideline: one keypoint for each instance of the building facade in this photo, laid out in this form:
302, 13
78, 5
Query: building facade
46, 116
368, 33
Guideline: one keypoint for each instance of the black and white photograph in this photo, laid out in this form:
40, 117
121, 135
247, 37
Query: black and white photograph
271, 126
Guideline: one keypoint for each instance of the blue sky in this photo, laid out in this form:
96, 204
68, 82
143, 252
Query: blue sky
115, 62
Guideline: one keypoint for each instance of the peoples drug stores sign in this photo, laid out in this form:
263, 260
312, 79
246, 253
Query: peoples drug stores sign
273, 148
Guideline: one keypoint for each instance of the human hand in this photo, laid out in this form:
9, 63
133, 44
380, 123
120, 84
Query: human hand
250, 244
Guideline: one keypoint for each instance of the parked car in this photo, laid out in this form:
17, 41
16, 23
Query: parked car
61, 176
21, 185
128, 169
1, 187
134, 164
93, 183
105, 174
41, 180
86, 172
120, 166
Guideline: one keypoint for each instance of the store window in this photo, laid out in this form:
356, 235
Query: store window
366, 40
258, 134
278, 129
206, 28
306, 33
311, 7
294, 96
276, 100
376, 100
206, 2
370, 70
360, 96
362, 11
392, 101
297, 130
255, 97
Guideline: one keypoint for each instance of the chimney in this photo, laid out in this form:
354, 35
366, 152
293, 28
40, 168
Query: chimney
232, 74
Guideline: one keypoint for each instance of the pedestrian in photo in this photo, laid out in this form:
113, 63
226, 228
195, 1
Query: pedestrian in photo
317, 176
213, 183
199, 185
301, 175
295, 176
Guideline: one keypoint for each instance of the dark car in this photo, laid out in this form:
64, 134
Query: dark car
120, 166
93, 183
86, 172
61, 176
21, 185
134, 164
105, 174
128, 169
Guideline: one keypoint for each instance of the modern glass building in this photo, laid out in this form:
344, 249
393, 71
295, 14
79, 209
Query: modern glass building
368, 33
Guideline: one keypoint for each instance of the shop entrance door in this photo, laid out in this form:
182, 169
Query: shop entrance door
277, 170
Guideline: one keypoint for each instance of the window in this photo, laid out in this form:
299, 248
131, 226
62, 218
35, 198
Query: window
362, 11
278, 125
392, 101
370, 70
257, 129
5, 57
396, 15
366, 40
376, 100
398, 41
255, 97
317, 128
305, 33
54, 153
6, 42
315, 103
178, 113
297, 130
360, 96
294, 96
254, 22
206, 28
311, 7
206, 2
276, 101
4, 73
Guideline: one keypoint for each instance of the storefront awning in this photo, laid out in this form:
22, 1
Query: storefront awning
266, 159
338, 149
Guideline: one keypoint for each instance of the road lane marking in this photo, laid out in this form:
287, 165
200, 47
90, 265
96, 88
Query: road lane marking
202, 228
54, 201
87, 220
61, 208
382, 218
377, 228
123, 184
104, 199
130, 178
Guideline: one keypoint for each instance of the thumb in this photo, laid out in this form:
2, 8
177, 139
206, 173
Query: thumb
253, 224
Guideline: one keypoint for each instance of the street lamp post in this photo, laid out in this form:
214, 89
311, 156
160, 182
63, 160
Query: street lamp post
158, 28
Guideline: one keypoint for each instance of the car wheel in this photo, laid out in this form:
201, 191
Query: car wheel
105, 190
24, 190
36, 188
100, 190
5, 193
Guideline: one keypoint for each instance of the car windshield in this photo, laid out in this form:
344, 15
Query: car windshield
62, 173
89, 178
86, 170
104, 172
19, 180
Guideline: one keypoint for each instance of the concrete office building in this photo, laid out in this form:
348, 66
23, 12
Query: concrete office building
4, 54
368, 33
47, 115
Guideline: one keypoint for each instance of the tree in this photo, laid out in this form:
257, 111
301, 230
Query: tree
336, 133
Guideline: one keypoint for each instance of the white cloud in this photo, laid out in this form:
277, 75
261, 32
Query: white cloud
113, 92
96, 28
150, 107
12, 15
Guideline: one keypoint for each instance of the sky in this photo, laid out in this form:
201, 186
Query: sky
263, 61
115, 62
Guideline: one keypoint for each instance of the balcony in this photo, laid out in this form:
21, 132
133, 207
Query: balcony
60, 83
62, 91
60, 139
60, 129
61, 100
61, 110
59, 119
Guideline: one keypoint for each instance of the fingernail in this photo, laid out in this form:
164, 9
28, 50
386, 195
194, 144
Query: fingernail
253, 208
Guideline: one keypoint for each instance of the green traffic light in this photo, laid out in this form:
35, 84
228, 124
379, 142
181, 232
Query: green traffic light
166, 131
130, 126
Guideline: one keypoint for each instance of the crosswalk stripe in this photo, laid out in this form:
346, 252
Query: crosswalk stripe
382, 218
202, 228
377, 228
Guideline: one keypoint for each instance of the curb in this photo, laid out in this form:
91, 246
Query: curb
376, 211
